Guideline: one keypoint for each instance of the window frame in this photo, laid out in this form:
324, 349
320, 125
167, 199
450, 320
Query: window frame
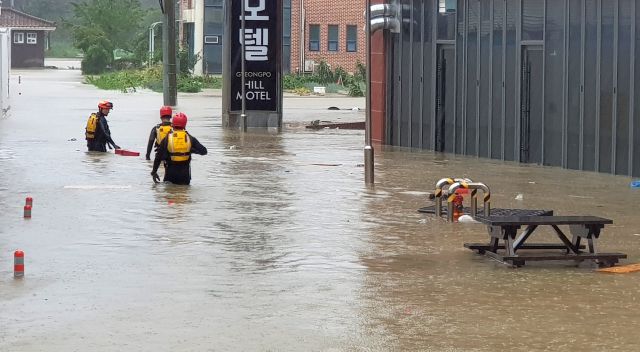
32, 38
314, 44
21, 35
354, 40
336, 40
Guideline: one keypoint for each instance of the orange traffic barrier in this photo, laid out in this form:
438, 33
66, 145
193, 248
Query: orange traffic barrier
27, 211
18, 264
622, 269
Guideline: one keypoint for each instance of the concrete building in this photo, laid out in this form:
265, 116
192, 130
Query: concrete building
313, 30
549, 82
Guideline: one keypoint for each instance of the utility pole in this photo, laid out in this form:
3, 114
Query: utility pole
169, 54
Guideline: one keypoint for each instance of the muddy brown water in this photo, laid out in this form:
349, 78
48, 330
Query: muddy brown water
278, 245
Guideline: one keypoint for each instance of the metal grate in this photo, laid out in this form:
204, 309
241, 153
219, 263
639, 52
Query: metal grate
494, 212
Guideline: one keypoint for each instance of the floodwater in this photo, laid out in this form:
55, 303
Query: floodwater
278, 245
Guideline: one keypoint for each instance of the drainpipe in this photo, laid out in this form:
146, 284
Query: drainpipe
379, 16
303, 34
385, 16
389, 23
383, 10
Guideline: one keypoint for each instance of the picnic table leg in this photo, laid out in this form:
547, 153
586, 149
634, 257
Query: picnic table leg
576, 242
524, 236
510, 234
495, 233
565, 240
494, 244
509, 238
592, 245
579, 232
591, 233
592, 237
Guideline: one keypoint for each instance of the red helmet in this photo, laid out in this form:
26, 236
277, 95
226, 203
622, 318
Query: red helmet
166, 111
105, 104
179, 120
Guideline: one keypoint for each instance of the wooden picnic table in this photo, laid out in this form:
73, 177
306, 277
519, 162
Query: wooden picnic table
505, 229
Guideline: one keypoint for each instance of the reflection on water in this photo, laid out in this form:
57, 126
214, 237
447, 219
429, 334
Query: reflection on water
439, 295
278, 245
257, 195
174, 200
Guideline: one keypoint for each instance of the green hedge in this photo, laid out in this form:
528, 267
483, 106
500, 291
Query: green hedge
151, 78
353, 84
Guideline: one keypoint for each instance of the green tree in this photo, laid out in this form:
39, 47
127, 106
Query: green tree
100, 26
118, 19
50, 10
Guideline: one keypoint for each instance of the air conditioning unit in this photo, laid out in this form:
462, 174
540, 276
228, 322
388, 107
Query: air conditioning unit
309, 65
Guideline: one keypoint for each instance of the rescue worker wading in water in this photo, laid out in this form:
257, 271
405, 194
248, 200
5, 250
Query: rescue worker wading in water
160, 131
97, 132
176, 150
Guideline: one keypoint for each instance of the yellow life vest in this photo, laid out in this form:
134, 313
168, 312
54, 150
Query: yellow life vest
161, 132
92, 125
179, 145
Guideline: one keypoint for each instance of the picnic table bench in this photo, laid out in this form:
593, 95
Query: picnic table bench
505, 229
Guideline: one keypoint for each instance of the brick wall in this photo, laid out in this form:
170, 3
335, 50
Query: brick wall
318, 12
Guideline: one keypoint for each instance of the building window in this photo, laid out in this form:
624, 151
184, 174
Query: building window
32, 38
314, 37
332, 44
532, 20
18, 38
447, 6
447, 19
286, 36
352, 38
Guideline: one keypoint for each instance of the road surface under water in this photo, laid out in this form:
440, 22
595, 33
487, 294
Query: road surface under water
278, 245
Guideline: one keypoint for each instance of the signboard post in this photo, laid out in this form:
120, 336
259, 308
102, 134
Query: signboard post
252, 89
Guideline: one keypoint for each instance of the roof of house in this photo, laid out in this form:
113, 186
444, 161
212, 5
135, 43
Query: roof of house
15, 19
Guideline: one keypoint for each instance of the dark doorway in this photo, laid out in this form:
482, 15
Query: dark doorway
445, 98
531, 104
